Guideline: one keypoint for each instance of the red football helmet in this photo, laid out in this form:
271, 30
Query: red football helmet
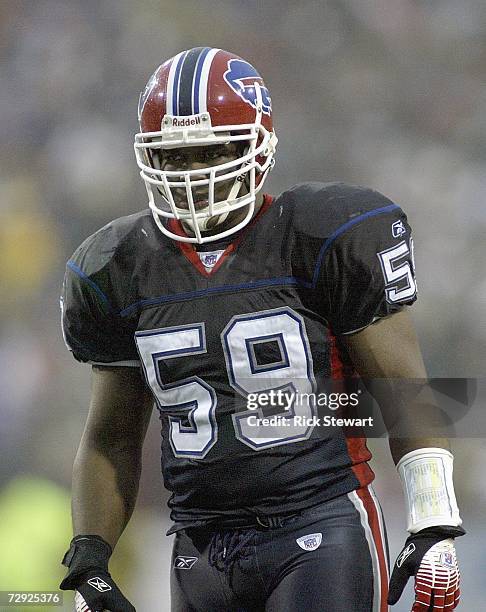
204, 97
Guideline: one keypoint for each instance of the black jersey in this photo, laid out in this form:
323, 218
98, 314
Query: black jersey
319, 261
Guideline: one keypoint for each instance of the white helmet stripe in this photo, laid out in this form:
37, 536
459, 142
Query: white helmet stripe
203, 84
173, 83
196, 82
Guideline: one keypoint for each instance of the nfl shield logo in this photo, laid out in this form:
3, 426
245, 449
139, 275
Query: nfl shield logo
310, 542
210, 260
447, 559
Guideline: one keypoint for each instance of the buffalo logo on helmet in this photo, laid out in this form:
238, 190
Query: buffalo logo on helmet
241, 77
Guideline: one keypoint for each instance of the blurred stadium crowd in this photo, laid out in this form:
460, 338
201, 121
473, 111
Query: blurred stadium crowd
390, 94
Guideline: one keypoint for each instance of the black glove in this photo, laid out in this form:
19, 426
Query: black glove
429, 555
87, 560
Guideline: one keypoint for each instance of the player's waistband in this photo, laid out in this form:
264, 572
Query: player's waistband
262, 522
247, 522
248, 517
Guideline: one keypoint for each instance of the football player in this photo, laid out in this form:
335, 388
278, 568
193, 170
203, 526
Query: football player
219, 291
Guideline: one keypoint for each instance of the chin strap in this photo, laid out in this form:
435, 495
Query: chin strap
221, 218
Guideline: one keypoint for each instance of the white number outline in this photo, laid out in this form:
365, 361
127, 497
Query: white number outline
394, 274
240, 419
150, 364
159, 389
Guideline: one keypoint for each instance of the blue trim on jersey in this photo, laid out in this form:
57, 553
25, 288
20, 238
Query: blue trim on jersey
164, 299
175, 87
266, 282
197, 80
341, 230
70, 264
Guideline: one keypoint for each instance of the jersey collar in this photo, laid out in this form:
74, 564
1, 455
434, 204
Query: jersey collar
189, 249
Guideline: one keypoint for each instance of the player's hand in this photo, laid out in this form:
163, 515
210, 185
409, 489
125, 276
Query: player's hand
431, 558
99, 592
87, 560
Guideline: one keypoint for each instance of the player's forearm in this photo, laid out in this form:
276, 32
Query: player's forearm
411, 414
415, 420
401, 446
414, 425
104, 490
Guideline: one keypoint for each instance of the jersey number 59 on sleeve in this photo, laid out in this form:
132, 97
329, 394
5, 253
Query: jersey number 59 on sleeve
195, 432
398, 270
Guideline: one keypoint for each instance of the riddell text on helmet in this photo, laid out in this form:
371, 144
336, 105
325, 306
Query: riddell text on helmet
186, 121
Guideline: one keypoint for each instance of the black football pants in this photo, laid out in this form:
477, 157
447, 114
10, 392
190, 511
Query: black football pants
329, 558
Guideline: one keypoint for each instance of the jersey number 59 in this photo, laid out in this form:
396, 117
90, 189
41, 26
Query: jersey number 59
195, 432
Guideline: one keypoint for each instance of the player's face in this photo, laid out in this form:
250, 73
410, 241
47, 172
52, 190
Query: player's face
195, 158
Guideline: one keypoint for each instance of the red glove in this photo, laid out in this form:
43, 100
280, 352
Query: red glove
432, 560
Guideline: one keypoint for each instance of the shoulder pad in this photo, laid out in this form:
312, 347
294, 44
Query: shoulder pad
116, 240
320, 209
98, 282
